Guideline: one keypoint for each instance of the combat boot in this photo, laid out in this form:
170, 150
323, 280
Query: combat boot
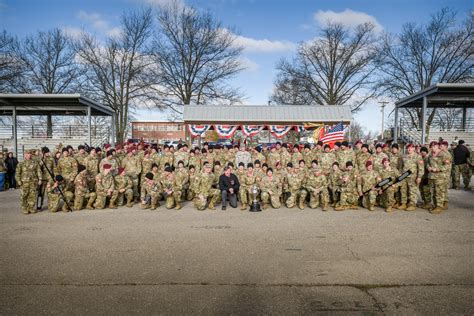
354, 207
243, 207
445, 205
388, 209
396, 206
426, 206
437, 210
211, 206
402, 206
89, 205
339, 208
130, 203
154, 206
410, 208
264, 206
64, 208
325, 208
178, 206
301, 205
112, 205
371, 208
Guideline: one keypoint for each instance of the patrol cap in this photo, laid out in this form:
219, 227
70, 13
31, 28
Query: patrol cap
120, 170
107, 166
45, 150
80, 168
149, 175
290, 165
59, 178
169, 169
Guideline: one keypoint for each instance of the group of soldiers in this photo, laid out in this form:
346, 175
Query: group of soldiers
342, 177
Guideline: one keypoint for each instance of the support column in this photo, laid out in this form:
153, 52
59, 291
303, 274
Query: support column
15, 138
423, 120
89, 133
464, 114
395, 128
112, 136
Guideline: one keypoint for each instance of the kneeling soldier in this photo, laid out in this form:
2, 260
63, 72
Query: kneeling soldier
150, 192
105, 188
54, 194
81, 190
205, 191
271, 190
172, 185
124, 186
316, 185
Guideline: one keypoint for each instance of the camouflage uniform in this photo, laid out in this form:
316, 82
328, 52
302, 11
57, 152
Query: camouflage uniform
246, 184
112, 162
81, 192
150, 194
125, 184
327, 159
104, 183
133, 167
273, 158
147, 163
361, 159
167, 157
334, 180
408, 187
195, 161
81, 158
317, 187
28, 175
348, 197
55, 197
387, 198
270, 192
206, 192
193, 181
377, 160
437, 180
297, 156
293, 185
46, 164
92, 166
67, 167
344, 156
367, 180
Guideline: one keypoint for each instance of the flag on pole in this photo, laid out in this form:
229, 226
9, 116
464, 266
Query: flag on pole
334, 134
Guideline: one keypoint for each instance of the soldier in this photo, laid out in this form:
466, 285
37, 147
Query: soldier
167, 157
327, 159
181, 180
307, 155
345, 155
316, 185
124, 187
395, 157
257, 155
270, 190
387, 198
285, 156
105, 188
81, 190
47, 167
448, 162
242, 156
292, 187
462, 165
67, 166
195, 160
334, 181
367, 182
193, 179
437, 166
424, 185
151, 191
273, 158
28, 176
348, 197
109, 160
258, 171
91, 162
246, 184
54, 194
205, 192
297, 155
378, 157
133, 166
362, 157
409, 186
81, 155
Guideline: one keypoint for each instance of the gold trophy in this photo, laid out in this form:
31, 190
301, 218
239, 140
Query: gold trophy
255, 206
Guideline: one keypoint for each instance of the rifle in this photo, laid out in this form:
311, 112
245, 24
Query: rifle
399, 179
59, 187
379, 185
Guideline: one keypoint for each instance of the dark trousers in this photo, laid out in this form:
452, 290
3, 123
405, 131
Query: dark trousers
11, 179
232, 198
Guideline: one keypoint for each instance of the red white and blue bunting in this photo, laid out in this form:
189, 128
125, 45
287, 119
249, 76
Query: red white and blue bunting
226, 131
198, 130
279, 130
300, 128
251, 130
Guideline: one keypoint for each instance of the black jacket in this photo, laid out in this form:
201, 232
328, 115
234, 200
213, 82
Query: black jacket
11, 164
225, 183
460, 154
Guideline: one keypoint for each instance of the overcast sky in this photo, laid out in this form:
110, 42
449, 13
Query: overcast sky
268, 29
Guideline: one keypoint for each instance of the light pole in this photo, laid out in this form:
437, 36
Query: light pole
382, 104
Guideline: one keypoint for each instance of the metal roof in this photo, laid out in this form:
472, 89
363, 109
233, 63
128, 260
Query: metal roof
43, 104
261, 114
441, 95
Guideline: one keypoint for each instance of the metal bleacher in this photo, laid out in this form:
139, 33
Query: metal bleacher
411, 134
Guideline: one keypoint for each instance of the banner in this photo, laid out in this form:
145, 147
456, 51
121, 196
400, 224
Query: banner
279, 130
198, 130
251, 130
225, 131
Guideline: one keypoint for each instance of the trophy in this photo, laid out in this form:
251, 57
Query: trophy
255, 206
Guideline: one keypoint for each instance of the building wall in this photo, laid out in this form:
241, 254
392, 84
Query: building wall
158, 131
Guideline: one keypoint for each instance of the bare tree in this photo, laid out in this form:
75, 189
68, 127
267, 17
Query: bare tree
195, 57
422, 55
10, 65
117, 71
334, 69
354, 132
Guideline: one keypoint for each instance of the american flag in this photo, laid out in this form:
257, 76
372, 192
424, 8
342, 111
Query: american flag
336, 133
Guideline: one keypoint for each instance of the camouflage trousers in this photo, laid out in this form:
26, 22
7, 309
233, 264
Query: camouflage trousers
151, 200
121, 196
293, 196
200, 201
244, 195
55, 199
91, 183
273, 199
466, 173
80, 198
190, 194
348, 198
425, 191
334, 194
369, 199
409, 191
387, 198
315, 199
102, 197
438, 191
135, 182
28, 195
173, 199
